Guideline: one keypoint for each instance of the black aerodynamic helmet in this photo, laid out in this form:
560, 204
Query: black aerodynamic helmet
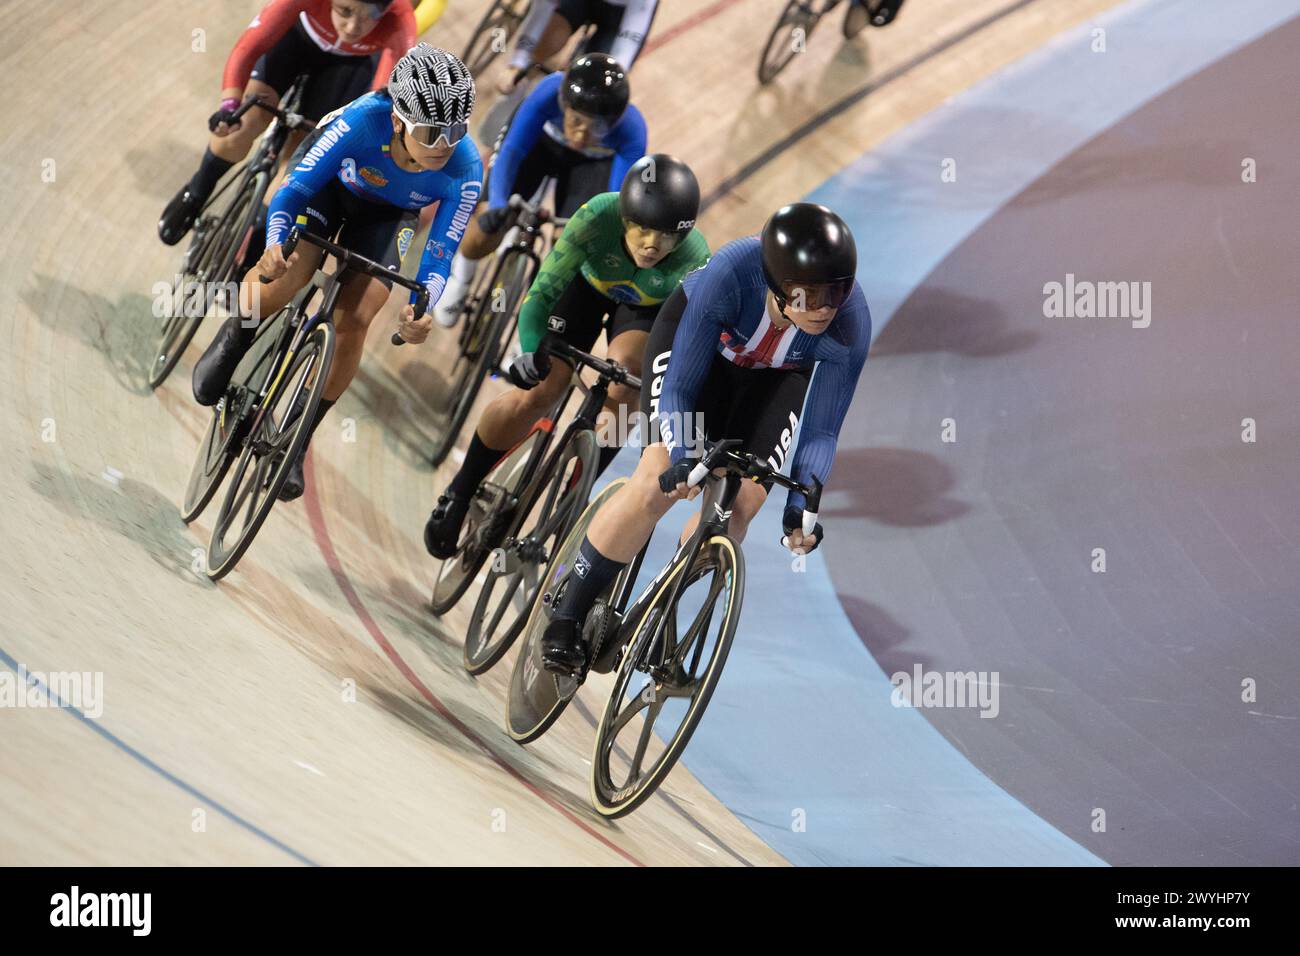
660, 192
596, 85
808, 247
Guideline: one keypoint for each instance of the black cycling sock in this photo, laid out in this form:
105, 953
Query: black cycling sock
321, 409
607, 454
479, 459
324, 406
592, 572
209, 174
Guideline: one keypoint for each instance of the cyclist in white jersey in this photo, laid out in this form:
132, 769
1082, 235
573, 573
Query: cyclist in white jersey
621, 30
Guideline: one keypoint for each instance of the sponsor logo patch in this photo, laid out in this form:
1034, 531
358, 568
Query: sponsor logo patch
373, 176
556, 324
404, 237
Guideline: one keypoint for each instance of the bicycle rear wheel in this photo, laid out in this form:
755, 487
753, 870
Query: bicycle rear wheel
683, 665
517, 566
269, 450
537, 697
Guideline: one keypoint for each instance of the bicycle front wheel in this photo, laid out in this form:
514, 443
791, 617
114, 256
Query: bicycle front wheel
515, 574
493, 34
679, 650
788, 39
269, 450
491, 513
208, 264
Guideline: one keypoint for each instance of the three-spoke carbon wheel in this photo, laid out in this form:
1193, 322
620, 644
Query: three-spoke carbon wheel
515, 572
669, 671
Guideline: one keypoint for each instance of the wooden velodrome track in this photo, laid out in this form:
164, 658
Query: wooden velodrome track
229, 699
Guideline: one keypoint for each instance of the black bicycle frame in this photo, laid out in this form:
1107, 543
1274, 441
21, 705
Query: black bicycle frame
583, 419
719, 497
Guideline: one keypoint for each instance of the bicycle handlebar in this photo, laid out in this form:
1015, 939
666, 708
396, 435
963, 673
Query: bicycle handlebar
357, 263
292, 120
747, 465
518, 204
606, 369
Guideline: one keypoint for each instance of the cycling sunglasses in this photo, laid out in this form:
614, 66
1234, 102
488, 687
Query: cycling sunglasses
810, 298
427, 134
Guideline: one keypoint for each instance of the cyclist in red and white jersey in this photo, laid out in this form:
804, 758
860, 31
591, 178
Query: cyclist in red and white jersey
345, 47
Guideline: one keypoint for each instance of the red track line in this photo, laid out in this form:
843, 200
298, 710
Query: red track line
690, 23
326, 545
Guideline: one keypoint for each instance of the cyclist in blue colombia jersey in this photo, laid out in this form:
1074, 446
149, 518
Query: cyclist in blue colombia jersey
364, 174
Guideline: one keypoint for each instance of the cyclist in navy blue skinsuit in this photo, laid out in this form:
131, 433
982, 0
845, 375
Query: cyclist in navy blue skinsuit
732, 352
578, 127
364, 175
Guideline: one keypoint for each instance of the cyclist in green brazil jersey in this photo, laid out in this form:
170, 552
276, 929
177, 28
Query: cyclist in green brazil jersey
621, 255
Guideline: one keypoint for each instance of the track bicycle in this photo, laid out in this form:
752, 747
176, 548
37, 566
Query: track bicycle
253, 427
219, 239
674, 638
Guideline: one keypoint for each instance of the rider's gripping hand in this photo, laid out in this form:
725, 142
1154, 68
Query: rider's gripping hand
528, 370
792, 525
491, 221
273, 264
673, 481
219, 122
409, 329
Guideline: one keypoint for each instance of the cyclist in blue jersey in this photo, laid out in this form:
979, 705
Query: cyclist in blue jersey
364, 174
578, 127
732, 351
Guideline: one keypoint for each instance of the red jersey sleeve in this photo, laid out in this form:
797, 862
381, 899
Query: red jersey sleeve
399, 37
267, 27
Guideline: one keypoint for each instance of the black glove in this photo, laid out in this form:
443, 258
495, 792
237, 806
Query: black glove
492, 221
792, 519
527, 371
675, 475
228, 109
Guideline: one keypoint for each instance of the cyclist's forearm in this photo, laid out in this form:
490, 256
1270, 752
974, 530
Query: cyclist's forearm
287, 207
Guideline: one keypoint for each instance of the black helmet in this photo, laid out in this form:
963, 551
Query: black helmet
660, 192
806, 246
596, 85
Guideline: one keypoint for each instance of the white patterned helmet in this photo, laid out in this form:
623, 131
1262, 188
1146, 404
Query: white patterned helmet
433, 93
